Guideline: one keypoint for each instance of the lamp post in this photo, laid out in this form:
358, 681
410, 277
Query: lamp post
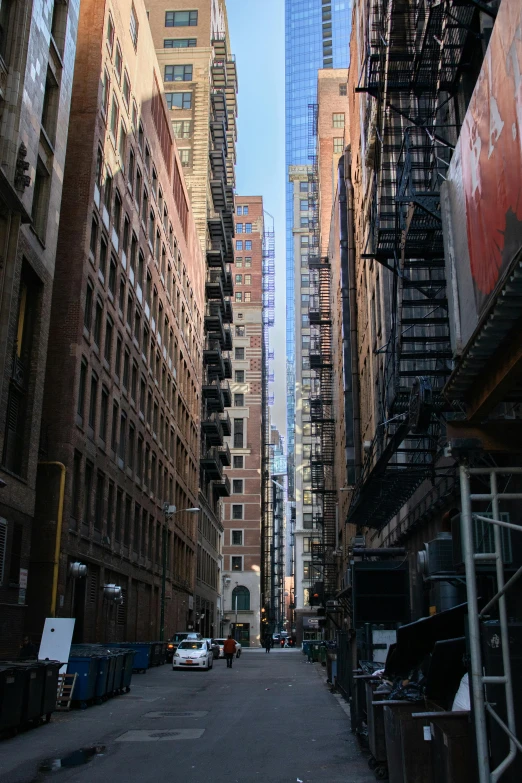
169, 511
226, 582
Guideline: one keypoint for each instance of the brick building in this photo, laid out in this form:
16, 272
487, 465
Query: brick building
242, 517
37, 51
199, 76
123, 382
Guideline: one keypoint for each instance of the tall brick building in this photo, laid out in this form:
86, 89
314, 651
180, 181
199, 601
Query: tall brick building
242, 517
123, 382
200, 82
37, 50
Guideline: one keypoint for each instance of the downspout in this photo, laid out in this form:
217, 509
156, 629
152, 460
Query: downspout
56, 561
352, 301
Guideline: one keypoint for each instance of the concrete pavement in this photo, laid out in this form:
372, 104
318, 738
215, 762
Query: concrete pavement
270, 718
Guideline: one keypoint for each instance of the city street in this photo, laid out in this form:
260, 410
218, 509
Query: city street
270, 718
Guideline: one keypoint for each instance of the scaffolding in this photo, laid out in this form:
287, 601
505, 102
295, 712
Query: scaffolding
416, 54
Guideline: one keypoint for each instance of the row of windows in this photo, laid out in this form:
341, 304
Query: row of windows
206, 569
181, 18
242, 210
243, 279
247, 244
247, 262
179, 43
241, 296
179, 100
106, 419
178, 73
247, 227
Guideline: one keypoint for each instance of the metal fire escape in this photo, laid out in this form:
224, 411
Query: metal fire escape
321, 402
267, 506
413, 64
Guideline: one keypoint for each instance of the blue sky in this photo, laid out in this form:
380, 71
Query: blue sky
257, 34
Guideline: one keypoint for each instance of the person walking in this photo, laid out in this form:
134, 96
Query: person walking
229, 648
268, 643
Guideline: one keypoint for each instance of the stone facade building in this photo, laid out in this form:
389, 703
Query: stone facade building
37, 53
124, 371
242, 512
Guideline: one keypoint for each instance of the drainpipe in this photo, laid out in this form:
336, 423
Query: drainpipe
352, 301
56, 561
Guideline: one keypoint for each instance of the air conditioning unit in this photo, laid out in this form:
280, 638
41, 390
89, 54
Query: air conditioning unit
332, 605
113, 593
77, 570
437, 556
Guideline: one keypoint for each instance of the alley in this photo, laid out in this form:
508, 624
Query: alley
271, 718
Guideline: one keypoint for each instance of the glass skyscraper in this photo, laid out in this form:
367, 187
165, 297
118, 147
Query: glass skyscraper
317, 34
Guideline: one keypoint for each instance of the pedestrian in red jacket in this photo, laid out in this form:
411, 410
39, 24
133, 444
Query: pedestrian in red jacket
229, 648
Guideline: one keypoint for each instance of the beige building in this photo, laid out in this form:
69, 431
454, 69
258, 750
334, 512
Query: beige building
200, 82
37, 52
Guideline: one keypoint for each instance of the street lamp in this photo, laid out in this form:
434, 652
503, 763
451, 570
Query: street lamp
226, 582
169, 512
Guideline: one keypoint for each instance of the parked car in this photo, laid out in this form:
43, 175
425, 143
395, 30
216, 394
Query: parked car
196, 654
213, 646
221, 642
181, 636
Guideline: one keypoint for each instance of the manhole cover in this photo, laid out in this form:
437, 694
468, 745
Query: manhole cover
161, 736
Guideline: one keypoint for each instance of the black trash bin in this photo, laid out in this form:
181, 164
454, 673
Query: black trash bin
33, 692
12, 683
50, 690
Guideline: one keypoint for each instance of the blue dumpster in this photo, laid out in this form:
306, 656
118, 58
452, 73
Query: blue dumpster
306, 645
142, 654
85, 665
126, 674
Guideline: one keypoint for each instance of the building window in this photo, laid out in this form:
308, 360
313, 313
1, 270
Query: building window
184, 156
179, 43
126, 88
239, 210
104, 413
304, 205
247, 296
248, 228
240, 331
239, 296
238, 462
303, 187
179, 100
305, 281
338, 146
343, 89
238, 433
240, 376
181, 19
237, 563
178, 73
110, 34
240, 594
248, 244
239, 228
239, 263
245, 209
248, 279
239, 354
81, 388
239, 279
118, 63
40, 208
133, 27
304, 241
239, 400
181, 129
338, 120
248, 263
98, 314
239, 244
237, 487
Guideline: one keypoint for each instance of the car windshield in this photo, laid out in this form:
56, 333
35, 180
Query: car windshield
190, 646
218, 641
179, 637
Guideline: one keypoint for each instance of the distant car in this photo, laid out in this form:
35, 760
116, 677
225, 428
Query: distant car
221, 642
214, 647
181, 636
196, 654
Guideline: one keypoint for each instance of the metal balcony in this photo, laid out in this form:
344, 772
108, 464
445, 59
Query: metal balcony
228, 338
218, 131
219, 74
214, 361
228, 367
222, 487
227, 395
219, 42
228, 283
219, 104
216, 229
211, 464
226, 424
213, 323
219, 198
224, 454
212, 430
228, 315
218, 164
213, 396
214, 287
215, 257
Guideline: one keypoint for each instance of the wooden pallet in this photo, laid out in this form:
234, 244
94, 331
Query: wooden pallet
66, 683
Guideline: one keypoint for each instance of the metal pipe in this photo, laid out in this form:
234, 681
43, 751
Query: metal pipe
499, 523
352, 300
58, 539
504, 635
516, 576
477, 688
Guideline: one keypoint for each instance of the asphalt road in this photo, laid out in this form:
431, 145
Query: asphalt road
271, 718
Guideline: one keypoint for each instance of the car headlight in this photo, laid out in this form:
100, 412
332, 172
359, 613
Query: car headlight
176, 655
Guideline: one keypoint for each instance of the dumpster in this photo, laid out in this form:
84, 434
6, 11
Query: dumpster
85, 665
452, 751
126, 672
408, 752
375, 724
120, 658
102, 675
158, 653
142, 654
322, 654
12, 683
305, 647
110, 674
34, 682
50, 691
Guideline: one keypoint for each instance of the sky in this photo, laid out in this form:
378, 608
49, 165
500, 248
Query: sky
257, 36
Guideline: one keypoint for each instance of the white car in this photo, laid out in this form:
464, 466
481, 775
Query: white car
193, 655
221, 642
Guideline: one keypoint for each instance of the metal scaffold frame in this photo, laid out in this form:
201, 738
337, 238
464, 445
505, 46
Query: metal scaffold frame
482, 708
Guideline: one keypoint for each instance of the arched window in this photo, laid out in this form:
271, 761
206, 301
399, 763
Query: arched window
242, 595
